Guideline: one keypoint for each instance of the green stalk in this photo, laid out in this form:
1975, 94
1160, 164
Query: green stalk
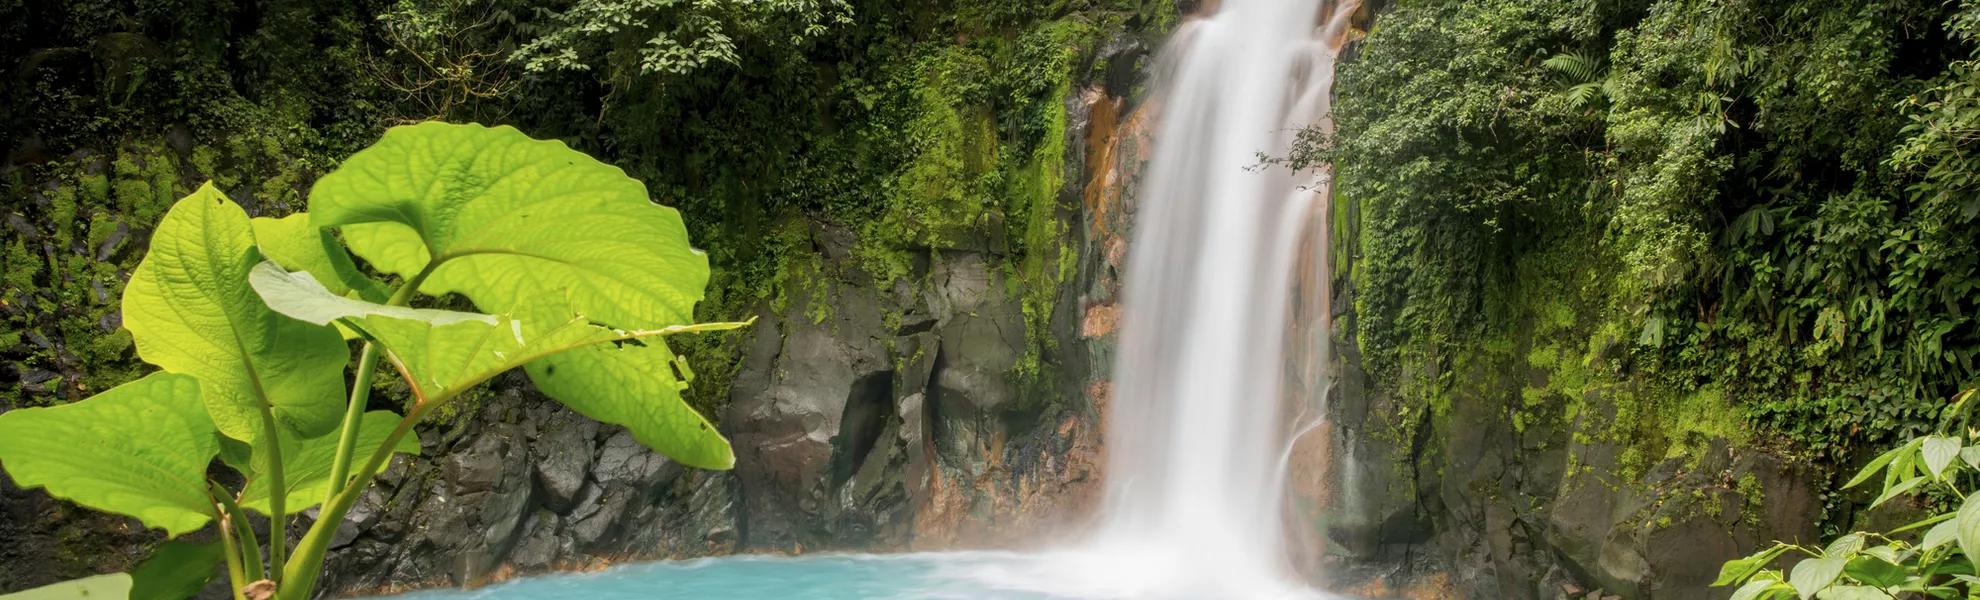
250, 547
309, 552
229, 545
340, 464
233, 553
278, 527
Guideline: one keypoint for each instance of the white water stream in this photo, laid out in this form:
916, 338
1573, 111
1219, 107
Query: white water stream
1196, 440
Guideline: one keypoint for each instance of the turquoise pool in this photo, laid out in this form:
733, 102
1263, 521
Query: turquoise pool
930, 576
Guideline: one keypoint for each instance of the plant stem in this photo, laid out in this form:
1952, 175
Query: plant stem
309, 552
250, 546
317, 541
278, 490
340, 465
229, 546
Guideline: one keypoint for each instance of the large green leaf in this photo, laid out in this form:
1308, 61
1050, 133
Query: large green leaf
306, 464
1759, 588
302, 296
140, 449
176, 571
1813, 575
190, 309
630, 383
298, 245
508, 218
1875, 571
1966, 528
442, 352
1735, 571
1939, 452
114, 585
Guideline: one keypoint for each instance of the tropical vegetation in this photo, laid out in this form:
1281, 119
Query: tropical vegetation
581, 273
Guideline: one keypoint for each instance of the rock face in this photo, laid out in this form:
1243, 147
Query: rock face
524, 485
1470, 504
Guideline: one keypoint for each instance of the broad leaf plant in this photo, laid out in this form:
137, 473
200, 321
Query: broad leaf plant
251, 322
1899, 563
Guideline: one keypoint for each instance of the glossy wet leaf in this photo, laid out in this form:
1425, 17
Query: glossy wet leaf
140, 449
176, 570
190, 310
306, 464
114, 585
507, 218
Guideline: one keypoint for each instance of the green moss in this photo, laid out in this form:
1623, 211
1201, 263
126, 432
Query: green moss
1754, 498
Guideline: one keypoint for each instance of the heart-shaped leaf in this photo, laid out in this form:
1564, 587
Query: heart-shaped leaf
506, 218
306, 464
1971, 456
190, 310
1939, 452
1813, 575
140, 449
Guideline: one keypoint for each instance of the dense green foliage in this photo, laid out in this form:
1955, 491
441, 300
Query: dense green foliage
545, 237
1869, 565
1761, 208
917, 124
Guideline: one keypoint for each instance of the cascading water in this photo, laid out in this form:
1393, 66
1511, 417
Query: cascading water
1198, 439
1195, 438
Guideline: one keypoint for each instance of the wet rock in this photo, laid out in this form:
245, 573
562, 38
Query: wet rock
564, 453
539, 547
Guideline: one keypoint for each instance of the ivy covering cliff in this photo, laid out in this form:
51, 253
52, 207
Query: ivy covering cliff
1740, 219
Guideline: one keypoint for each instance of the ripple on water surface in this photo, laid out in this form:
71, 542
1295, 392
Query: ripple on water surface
931, 576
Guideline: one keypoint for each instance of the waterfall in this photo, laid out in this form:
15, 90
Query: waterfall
1196, 437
